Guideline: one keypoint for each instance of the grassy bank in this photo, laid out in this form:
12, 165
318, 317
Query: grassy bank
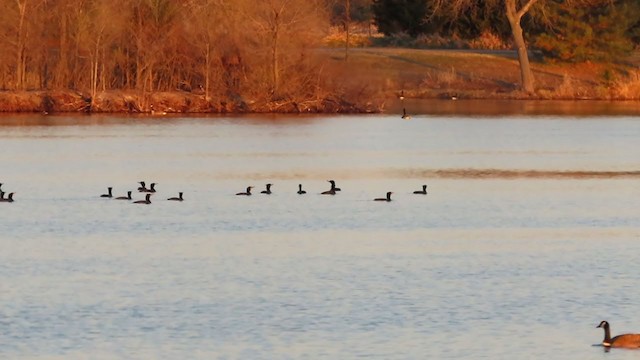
486, 75
364, 83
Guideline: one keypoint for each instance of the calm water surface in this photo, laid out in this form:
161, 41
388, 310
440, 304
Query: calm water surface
528, 238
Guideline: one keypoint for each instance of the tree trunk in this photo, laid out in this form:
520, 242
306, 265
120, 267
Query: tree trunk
347, 22
514, 16
207, 70
274, 55
21, 47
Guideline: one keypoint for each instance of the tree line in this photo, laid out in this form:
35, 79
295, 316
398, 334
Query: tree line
228, 49
216, 47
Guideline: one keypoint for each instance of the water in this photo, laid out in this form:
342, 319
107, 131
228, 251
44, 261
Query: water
527, 239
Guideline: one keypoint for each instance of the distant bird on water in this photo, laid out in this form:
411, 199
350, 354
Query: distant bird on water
388, 198
151, 189
147, 200
108, 194
333, 185
246, 193
333, 189
128, 197
268, 190
142, 187
620, 341
9, 198
179, 198
423, 191
300, 191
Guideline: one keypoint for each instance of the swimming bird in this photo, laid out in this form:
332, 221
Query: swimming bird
423, 191
333, 185
109, 194
179, 198
147, 200
300, 191
405, 115
333, 189
620, 341
388, 198
9, 198
142, 187
128, 197
401, 95
247, 193
151, 189
267, 191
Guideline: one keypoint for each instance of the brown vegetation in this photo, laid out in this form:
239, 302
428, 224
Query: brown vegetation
245, 56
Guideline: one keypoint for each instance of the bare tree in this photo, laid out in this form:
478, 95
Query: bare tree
22, 18
284, 27
208, 26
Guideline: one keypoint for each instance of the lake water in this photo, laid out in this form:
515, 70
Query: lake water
528, 238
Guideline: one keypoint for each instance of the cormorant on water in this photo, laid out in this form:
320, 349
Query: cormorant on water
300, 191
128, 197
423, 191
8, 198
151, 189
267, 191
179, 198
142, 187
333, 185
147, 200
388, 198
109, 194
247, 193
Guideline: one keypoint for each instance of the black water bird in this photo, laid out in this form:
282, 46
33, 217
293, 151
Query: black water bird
333, 189
388, 198
108, 194
268, 190
300, 191
128, 197
9, 198
142, 187
423, 191
147, 200
620, 341
179, 198
333, 185
247, 193
151, 189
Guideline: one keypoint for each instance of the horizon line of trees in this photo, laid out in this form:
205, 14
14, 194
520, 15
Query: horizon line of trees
261, 49
221, 48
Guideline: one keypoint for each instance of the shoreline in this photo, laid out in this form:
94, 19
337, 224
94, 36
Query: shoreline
161, 103
171, 103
